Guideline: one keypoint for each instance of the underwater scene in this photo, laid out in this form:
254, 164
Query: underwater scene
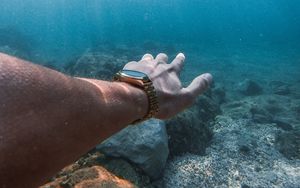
243, 132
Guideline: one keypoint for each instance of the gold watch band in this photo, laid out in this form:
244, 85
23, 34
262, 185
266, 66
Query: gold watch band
150, 91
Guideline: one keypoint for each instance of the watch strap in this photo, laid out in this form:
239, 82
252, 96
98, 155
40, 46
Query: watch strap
150, 91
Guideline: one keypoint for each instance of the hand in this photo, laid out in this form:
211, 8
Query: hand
172, 97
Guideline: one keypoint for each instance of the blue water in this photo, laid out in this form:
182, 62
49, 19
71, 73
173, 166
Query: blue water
63, 28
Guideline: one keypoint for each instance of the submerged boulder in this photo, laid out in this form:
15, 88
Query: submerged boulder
250, 88
288, 143
189, 131
145, 145
95, 65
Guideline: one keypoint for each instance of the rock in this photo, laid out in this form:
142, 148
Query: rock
117, 166
189, 131
187, 134
280, 88
207, 108
219, 95
296, 110
95, 65
245, 186
288, 143
239, 155
90, 177
244, 149
145, 145
126, 170
250, 88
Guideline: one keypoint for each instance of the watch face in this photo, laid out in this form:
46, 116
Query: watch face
133, 74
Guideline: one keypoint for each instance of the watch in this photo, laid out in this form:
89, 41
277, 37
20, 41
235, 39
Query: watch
142, 81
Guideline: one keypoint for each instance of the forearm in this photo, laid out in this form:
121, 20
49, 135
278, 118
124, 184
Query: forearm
48, 120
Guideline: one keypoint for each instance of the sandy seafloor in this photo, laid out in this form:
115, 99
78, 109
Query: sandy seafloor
251, 129
256, 137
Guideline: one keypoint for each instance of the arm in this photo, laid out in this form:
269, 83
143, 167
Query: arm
48, 120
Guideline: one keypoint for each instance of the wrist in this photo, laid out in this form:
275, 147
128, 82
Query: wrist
136, 98
140, 80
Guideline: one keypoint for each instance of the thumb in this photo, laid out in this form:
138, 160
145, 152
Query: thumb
199, 84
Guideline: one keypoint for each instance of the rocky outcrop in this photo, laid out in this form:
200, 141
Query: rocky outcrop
97, 170
250, 88
90, 177
189, 131
288, 143
255, 144
145, 145
241, 154
95, 65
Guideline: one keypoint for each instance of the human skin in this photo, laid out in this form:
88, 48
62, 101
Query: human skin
48, 119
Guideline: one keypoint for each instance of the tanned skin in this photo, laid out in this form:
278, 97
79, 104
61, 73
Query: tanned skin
48, 119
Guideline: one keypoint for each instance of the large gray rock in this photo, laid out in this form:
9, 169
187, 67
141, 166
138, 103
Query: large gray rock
146, 145
288, 143
189, 131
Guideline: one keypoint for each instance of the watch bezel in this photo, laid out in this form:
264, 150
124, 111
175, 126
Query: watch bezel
126, 73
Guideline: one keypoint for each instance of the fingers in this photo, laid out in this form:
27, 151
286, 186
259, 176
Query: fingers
177, 63
199, 84
161, 58
147, 57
